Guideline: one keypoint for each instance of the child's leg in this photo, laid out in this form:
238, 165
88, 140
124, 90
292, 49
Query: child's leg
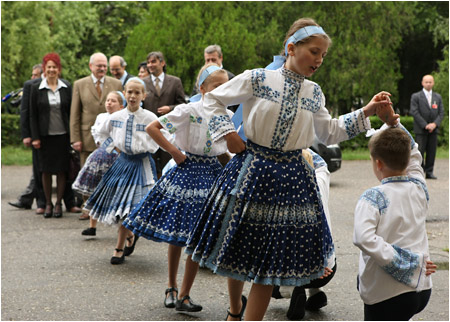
190, 271
121, 237
92, 222
258, 301
173, 259
235, 288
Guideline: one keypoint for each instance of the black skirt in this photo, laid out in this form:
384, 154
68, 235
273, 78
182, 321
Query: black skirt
54, 153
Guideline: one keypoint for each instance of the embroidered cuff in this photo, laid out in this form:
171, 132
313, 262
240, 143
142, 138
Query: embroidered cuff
164, 121
356, 123
219, 126
407, 267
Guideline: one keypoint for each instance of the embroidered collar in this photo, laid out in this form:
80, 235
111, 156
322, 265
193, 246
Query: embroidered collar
292, 76
395, 179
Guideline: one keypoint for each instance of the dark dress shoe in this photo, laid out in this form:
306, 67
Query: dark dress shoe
84, 216
118, 260
57, 213
276, 292
430, 176
241, 314
170, 301
296, 309
89, 231
19, 205
129, 250
189, 306
315, 302
48, 211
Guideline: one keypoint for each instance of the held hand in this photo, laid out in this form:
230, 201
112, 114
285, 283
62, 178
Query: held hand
234, 143
327, 271
431, 268
164, 110
27, 142
382, 106
36, 144
77, 146
178, 157
430, 127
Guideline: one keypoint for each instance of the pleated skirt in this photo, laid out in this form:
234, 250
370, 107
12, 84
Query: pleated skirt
96, 165
169, 211
263, 221
127, 181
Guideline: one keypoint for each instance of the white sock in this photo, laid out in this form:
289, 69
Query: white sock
314, 291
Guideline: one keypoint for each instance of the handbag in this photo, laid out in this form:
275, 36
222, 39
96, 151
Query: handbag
74, 164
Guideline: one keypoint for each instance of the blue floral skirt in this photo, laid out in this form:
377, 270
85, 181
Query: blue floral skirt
169, 211
96, 165
263, 221
122, 187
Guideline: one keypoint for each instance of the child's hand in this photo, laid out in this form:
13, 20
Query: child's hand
431, 268
178, 157
234, 143
327, 271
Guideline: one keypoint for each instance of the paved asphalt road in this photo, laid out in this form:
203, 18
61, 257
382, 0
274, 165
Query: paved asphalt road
51, 272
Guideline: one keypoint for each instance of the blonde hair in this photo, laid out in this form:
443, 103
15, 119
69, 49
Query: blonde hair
299, 24
118, 96
137, 81
208, 79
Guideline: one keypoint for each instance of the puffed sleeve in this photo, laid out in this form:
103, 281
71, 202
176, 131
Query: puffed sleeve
177, 119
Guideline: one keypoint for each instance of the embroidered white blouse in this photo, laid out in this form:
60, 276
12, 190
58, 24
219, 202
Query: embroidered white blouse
390, 230
189, 125
126, 131
99, 121
281, 110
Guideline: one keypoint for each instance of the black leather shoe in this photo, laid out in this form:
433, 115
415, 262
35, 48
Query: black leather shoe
276, 292
296, 309
431, 176
48, 211
170, 301
315, 302
129, 250
118, 260
241, 314
19, 205
89, 231
57, 213
189, 306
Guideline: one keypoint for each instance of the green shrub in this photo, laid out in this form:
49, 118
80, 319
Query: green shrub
360, 141
11, 130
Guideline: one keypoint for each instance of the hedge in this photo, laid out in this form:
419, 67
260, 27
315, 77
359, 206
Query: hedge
11, 132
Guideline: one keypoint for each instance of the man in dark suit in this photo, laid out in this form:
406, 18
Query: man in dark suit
428, 112
88, 100
117, 66
164, 92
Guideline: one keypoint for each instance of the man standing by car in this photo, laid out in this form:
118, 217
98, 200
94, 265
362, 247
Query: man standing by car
428, 112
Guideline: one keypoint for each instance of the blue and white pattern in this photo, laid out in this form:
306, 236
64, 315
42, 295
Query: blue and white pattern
377, 199
263, 221
313, 104
263, 90
121, 188
215, 124
170, 209
351, 123
96, 165
403, 266
129, 133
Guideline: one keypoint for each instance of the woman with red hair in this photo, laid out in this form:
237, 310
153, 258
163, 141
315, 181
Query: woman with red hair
50, 102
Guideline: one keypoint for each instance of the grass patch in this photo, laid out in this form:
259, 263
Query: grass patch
16, 155
363, 154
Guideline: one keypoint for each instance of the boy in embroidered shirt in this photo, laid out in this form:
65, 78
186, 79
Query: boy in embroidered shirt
394, 268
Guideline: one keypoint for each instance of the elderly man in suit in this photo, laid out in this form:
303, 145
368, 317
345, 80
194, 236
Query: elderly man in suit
428, 112
164, 92
88, 100
117, 66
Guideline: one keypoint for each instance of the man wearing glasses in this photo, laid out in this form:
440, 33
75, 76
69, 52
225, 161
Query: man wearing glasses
117, 66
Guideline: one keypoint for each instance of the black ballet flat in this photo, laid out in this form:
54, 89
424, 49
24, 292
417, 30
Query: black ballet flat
189, 306
118, 260
241, 314
129, 250
170, 301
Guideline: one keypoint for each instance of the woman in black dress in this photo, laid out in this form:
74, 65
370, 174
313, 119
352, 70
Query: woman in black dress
50, 102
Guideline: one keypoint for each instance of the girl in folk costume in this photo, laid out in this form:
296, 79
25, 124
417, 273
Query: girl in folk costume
169, 211
132, 174
98, 161
263, 220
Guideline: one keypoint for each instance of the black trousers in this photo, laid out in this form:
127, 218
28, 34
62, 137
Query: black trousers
427, 147
398, 308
